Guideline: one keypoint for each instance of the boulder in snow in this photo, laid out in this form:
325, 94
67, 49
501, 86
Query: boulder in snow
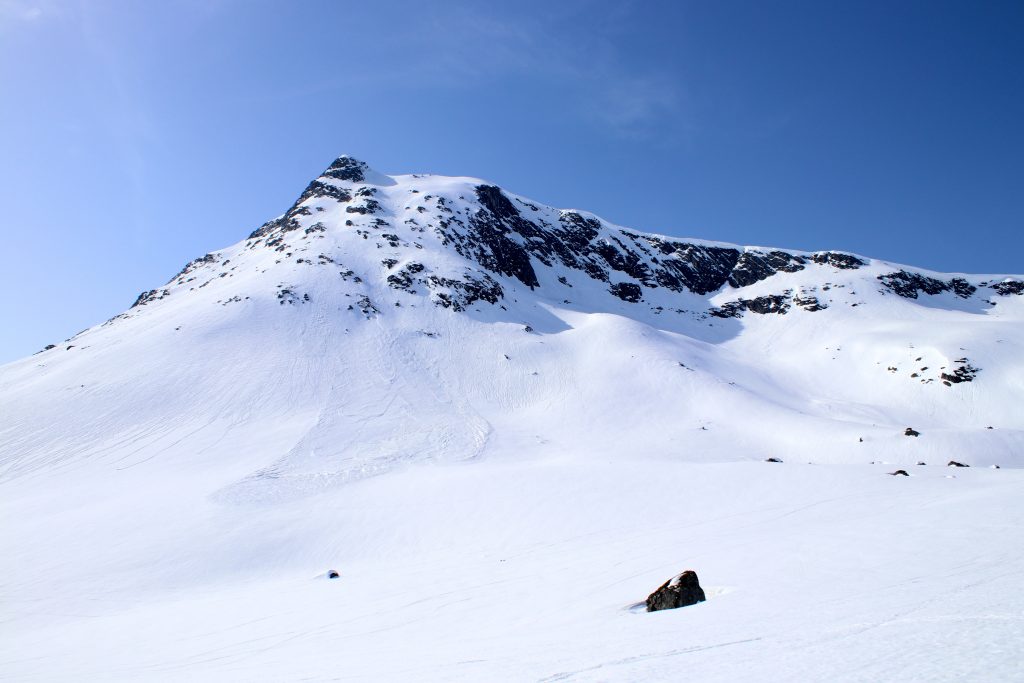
679, 591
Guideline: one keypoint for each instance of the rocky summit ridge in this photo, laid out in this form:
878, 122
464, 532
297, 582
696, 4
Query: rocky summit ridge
494, 244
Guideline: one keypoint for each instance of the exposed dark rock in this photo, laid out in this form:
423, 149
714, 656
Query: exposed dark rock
900, 473
1008, 287
318, 189
910, 431
809, 303
964, 373
954, 463
774, 303
920, 462
838, 260
287, 295
627, 291
366, 307
370, 206
679, 591
346, 168
908, 285
490, 243
151, 295
495, 201
283, 224
697, 268
332, 574
404, 278
754, 266
772, 460
962, 288
192, 266
460, 294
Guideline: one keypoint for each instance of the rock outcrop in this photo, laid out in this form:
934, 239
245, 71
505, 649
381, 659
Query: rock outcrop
679, 591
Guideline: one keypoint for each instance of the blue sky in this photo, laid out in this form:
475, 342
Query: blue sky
135, 136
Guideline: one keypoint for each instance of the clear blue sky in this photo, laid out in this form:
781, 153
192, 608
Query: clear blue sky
135, 136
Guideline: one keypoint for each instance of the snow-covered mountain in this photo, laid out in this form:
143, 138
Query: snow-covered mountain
227, 434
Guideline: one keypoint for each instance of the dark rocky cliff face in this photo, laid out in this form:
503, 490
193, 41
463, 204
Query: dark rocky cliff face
504, 240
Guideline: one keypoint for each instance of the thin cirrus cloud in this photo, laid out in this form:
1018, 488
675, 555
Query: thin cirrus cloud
13, 12
542, 49
601, 88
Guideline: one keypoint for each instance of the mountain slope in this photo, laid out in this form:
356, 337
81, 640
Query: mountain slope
307, 398
346, 306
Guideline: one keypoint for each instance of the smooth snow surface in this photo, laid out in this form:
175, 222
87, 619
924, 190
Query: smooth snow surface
500, 486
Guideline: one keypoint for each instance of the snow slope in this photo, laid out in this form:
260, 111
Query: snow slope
505, 424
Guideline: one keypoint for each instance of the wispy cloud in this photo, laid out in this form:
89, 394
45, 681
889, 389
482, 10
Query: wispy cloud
572, 47
17, 12
569, 46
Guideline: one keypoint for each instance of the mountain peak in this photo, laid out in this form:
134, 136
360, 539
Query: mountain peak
350, 169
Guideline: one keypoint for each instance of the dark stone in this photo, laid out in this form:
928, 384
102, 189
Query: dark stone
318, 188
908, 285
900, 473
921, 462
962, 288
151, 295
370, 206
490, 244
495, 201
627, 291
332, 574
954, 463
809, 303
193, 265
838, 260
1009, 287
772, 460
910, 431
346, 168
754, 266
462, 293
964, 373
679, 591
773, 303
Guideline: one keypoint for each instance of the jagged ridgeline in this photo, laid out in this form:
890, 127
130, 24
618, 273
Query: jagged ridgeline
462, 242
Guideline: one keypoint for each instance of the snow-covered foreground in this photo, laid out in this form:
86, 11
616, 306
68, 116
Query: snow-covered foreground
524, 570
505, 425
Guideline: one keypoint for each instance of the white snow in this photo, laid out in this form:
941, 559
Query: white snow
175, 486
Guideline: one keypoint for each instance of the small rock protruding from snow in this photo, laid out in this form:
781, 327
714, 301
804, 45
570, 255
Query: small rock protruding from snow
910, 431
772, 460
679, 591
954, 463
899, 473
333, 574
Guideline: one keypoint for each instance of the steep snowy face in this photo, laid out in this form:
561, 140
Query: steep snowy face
459, 241
382, 320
